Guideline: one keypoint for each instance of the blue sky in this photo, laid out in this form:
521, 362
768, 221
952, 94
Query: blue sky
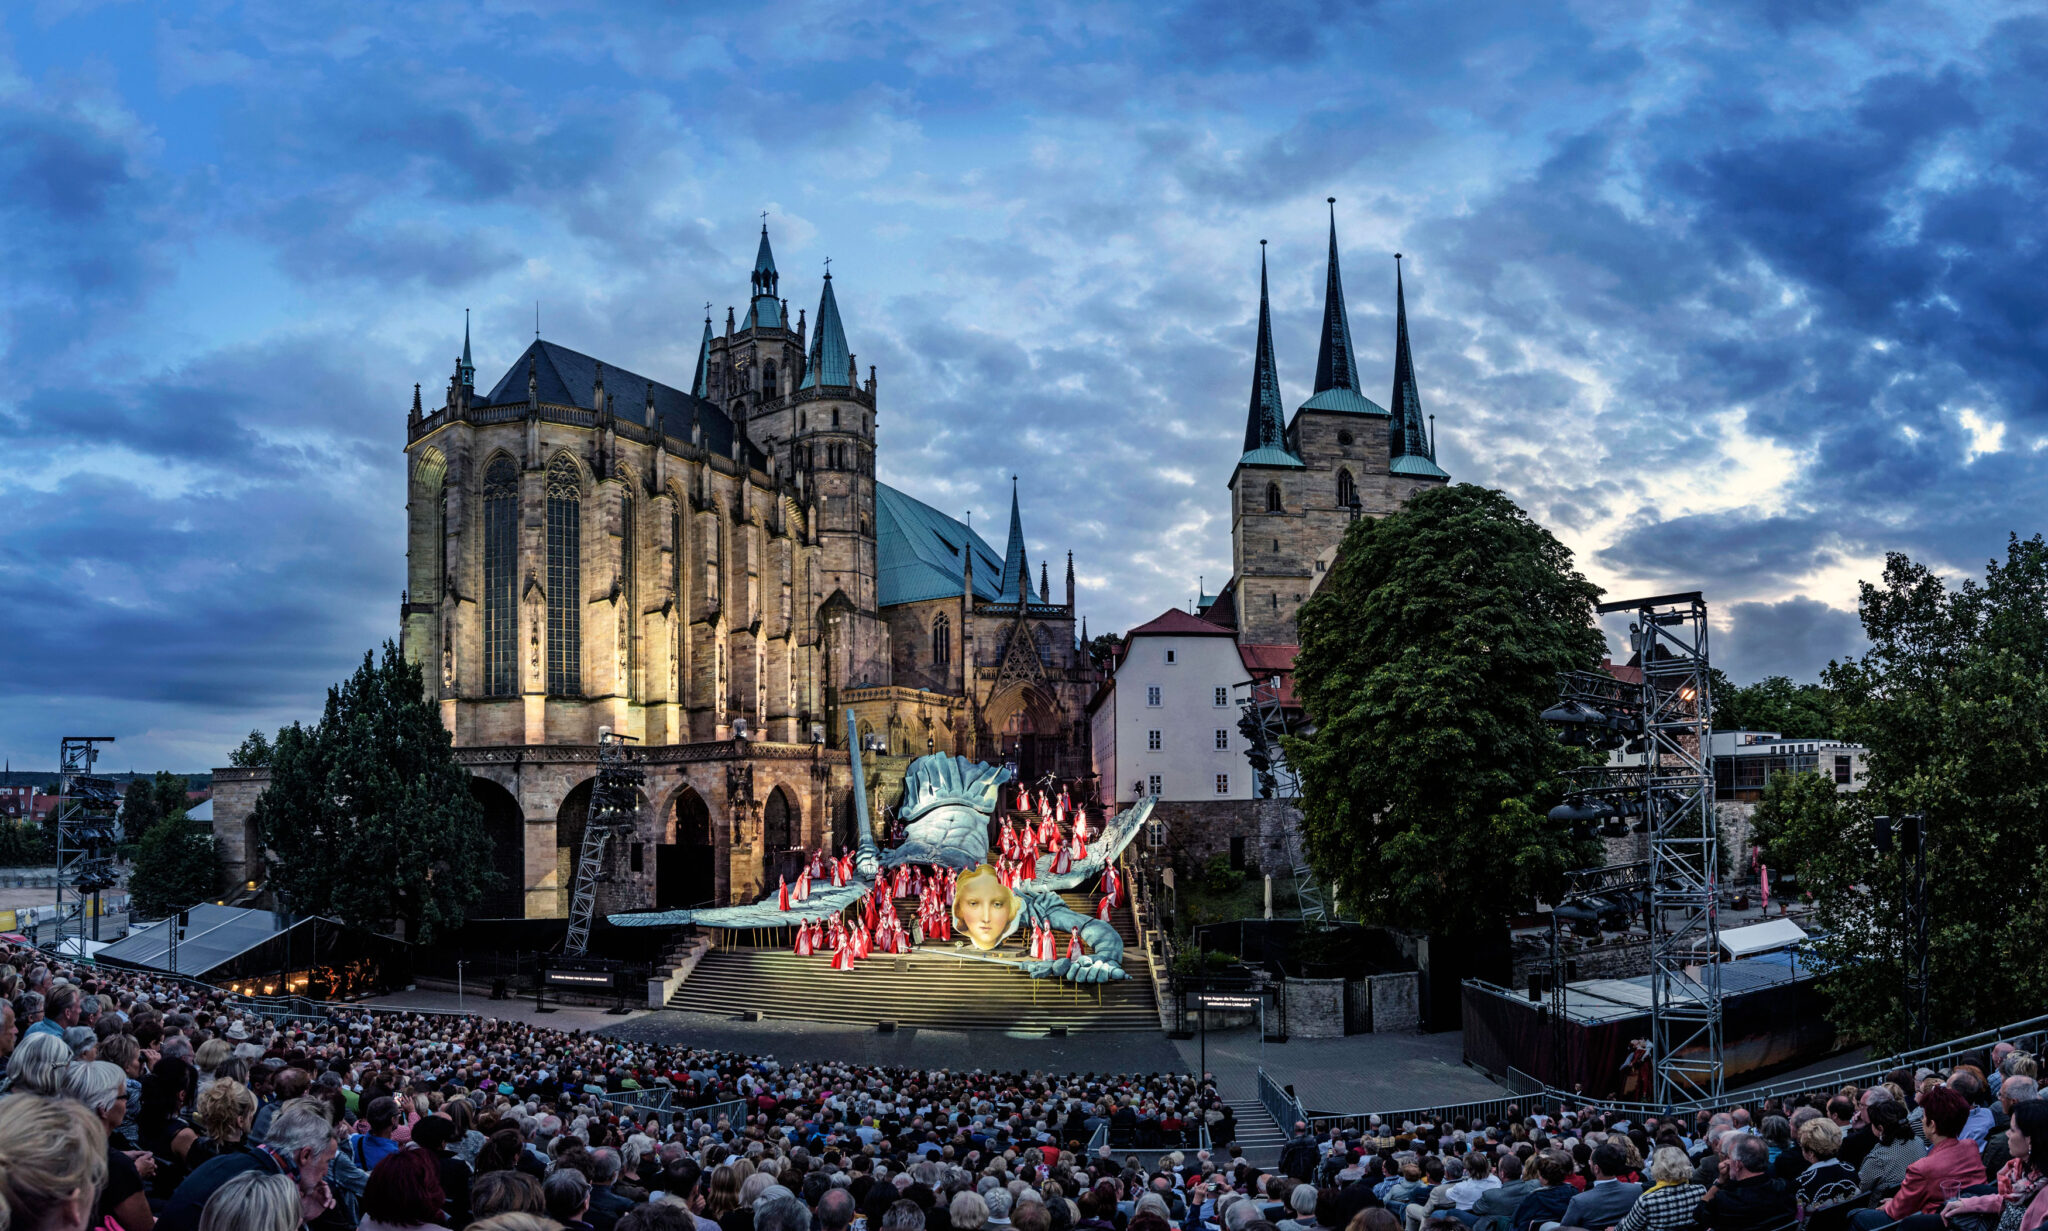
1736, 295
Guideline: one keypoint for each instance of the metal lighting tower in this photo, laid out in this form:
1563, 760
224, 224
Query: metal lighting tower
88, 827
614, 806
1264, 722
1669, 636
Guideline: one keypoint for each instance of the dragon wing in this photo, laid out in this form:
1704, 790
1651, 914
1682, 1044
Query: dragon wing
1115, 836
824, 902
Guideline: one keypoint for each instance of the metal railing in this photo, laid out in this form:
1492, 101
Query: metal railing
1534, 1095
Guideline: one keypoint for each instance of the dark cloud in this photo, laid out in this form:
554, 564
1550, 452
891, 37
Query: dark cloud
1793, 638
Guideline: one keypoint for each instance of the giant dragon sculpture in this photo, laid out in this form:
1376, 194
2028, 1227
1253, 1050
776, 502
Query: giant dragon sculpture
947, 804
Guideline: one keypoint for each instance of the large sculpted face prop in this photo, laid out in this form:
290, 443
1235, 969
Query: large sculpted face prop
985, 910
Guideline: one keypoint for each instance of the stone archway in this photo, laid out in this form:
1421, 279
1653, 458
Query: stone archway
1024, 725
685, 866
781, 837
505, 826
570, 820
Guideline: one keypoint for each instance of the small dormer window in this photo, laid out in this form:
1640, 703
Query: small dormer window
1172, 656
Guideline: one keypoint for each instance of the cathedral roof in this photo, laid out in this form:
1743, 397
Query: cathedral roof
919, 552
1350, 401
830, 365
1336, 364
1016, 583
1407, 437
569, 378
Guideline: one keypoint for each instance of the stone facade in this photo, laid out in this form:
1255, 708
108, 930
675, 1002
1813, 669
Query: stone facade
589, 550
1194, 832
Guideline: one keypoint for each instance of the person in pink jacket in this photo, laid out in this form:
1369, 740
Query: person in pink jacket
2023, 1181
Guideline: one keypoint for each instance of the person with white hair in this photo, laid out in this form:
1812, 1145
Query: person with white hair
103, 1088
253, 1201
38, 1064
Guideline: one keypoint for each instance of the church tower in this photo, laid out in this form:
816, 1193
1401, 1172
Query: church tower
1297, 488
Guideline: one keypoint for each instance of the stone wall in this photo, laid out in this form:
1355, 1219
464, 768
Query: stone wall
234, 806
1315, 1008
1396, 1003
1199, 830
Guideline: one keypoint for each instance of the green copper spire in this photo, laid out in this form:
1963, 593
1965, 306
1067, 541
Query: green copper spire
700, 384
1265, 432
1016, 585
1336, 368
1412, 452
830, 364
767, 310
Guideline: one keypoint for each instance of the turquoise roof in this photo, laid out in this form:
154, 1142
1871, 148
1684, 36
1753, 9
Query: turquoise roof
1016, 562
1417, 466
918, 552
1271, 455
767, 310
765, 314
1349, 401
830, 364
764, 257
700, 384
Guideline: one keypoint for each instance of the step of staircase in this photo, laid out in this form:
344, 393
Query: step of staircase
933, 988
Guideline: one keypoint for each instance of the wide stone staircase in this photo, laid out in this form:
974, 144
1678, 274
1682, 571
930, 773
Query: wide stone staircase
935, 988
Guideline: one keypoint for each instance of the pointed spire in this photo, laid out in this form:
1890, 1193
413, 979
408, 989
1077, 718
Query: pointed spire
830, 364
700, 384
1044, 584
416, 407
1336, 366
1016, 586
466, 370
1407, 435
1265, 422
1070, 584
767, 310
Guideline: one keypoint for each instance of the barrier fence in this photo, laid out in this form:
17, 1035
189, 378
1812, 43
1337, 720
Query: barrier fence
1528, 1094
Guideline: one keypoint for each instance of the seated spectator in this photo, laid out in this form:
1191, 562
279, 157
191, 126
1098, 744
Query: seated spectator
403, 1193
253, 1201
500, 1192
1505, 1198
124, 1203
1827, 1181
1672, 1201
223, 1117
1894, 1147
1609, 1198
2013, 1091
2022, 1193
53, 1161
567, 1193
1546, 1205
301, 1144
1950, 1165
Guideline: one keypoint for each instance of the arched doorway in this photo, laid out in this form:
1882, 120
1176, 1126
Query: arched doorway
570, 820
1025, 726
505, 826
685, 872
781, 836
845, 824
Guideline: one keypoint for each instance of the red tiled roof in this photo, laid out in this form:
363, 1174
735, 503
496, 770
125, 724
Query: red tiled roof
1177, 623
1625, 672
1263, 660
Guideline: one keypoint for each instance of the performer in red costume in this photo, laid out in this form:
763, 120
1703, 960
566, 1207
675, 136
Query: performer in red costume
781, 894
1073, 945
802, 948
1102, 909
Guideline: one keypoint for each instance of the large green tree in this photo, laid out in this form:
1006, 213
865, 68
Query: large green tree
367, 816
1426, 659
139, 809
1952, 702
176, 864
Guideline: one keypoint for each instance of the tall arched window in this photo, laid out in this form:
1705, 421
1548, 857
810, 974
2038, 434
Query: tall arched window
768, 379
1272, 497
565, 578
675, 589
629, 581
1347, 491
501, 567
942, 641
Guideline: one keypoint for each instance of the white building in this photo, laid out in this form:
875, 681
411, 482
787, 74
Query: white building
1165, 722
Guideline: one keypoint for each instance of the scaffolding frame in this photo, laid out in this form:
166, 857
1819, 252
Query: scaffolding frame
1669, 639
88, 831
614, 811
1266, 722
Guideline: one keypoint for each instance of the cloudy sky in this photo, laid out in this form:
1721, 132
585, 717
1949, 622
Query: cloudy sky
1737, 295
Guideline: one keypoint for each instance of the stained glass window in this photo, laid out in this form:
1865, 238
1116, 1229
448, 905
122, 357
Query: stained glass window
565, 575
501, 568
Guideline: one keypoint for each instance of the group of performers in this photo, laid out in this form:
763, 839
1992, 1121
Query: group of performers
788, 892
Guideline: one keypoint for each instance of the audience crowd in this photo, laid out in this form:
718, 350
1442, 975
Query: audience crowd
133, 1102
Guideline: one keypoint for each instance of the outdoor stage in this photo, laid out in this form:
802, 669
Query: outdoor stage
1773, 1019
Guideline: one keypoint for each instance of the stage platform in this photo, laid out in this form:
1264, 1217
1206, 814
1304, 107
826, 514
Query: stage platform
941, 989
1772, 1013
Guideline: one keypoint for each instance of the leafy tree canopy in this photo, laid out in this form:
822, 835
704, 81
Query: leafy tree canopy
1952, 702
139, 809
367, 816
1775, 703
175, 865
1426, 659
251, 753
